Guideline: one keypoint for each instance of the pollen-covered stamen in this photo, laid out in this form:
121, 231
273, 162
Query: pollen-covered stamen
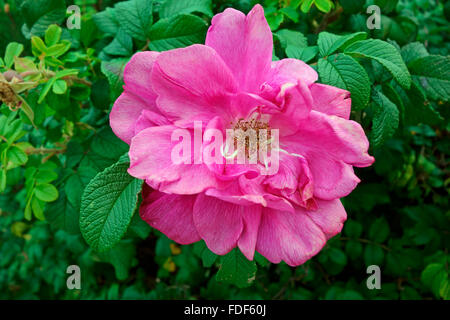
253, 133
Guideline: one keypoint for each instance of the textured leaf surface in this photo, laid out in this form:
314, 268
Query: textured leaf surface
135, 17
176, 32
236, 269
329, 43
433, 74
345, 72
385, 120
384, 53
173, 7
107, 206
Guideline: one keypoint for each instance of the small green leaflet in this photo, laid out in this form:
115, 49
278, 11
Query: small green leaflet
107, 206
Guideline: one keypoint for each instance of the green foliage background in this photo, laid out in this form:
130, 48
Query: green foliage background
56, 144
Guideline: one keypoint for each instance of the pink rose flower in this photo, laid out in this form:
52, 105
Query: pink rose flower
287, 216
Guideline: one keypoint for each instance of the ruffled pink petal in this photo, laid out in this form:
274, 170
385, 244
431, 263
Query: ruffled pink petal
329, 216
332, 179
295, 103
172, 215
193, 83
150, 159
137, 75
331, 100
149, 119
219, 223
245, 44
290, 71
332, 136
249, 236
124, 114
290, 237
138, 96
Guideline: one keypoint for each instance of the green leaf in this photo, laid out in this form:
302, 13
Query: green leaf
384, 53
38, 46
353, 229
106, 21
337, 256
324, 5
433, 74
13, 49
38, 208
416, 109
385, 120
122, 44
379, 230
16, 157
329, 43
113, 70
46, 192
306, 5
135, 17
121, 257
413, 51
436, 277
345, 72
107, 206
373, 255
173, 7
304, 54
291, 38
177, 32
60, 86
61, 214
53, 35
59, 49
236, 269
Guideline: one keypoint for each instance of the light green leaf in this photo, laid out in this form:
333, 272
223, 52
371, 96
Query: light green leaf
53, 35
173, 7
177, 32
345, 72
13, 49
384, 53
60, 86
236, 269
46, 192
16, 157
107, 206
